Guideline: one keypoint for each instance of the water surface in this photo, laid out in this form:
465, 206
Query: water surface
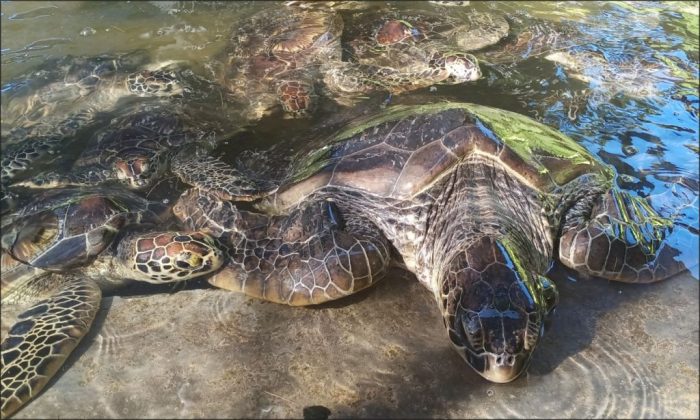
637, 110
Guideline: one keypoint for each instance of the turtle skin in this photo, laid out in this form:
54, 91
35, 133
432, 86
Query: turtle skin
59, 253
476, 202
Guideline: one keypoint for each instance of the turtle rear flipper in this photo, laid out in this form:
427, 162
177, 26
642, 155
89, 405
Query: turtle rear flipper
619, 237
211, 174
43, 337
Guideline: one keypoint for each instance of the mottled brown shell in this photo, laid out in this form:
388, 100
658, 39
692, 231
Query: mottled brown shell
406, 149
383, 37
64, 228
282, 39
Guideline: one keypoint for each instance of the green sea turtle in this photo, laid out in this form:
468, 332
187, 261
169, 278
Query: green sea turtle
46, 108
273, 59
477, 202
531, 37
134, 148
403, 50
633, 77
96, 239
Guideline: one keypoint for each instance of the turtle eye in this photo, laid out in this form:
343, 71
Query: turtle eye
550, 297
549, 294
188, 261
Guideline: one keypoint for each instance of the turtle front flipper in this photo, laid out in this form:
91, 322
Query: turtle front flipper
211, 174
312, 255
618, 236
43, 337
20, 157
82, 178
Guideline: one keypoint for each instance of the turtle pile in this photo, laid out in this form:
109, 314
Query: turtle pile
475, 201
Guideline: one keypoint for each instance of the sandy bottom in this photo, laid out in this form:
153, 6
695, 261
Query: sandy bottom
613, 351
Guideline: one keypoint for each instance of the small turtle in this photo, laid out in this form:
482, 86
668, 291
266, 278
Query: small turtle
532, 37
633, 77
404, 50
475, 201
134, 149
96, 239
46, 108
273, 58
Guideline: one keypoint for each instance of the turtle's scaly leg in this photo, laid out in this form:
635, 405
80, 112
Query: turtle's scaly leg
221, 179
619, 237
307, 257
40, 143
18, 158
43, 337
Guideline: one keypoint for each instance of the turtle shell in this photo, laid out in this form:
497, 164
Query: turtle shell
401, 152
533, 38
393, 38
143, 137
274, 41
60, 229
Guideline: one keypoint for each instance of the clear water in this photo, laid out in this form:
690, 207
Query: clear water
640, 114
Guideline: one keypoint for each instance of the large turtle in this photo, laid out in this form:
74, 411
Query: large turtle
403, 50
477, 202
97, 239
46, 108
273, 59
134, 149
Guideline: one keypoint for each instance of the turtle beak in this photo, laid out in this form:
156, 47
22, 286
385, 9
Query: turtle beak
501, 368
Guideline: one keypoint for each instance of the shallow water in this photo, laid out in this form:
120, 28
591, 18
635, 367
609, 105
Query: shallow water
638, 112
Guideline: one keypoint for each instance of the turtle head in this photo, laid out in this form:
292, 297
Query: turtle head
495, 309
138, 171
165, 257
462, 67
154, 83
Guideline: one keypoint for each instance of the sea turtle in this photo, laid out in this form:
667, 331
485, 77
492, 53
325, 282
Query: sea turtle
476, 201
403, 50
135, 148
532, 37
46, 108
632, 77
273, 58
97, 239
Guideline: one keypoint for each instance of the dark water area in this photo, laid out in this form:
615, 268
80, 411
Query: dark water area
619, 77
